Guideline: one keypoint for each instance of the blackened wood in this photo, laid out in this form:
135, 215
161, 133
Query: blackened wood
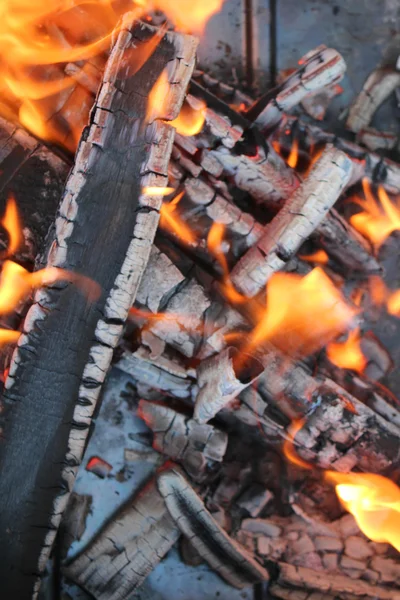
104, 230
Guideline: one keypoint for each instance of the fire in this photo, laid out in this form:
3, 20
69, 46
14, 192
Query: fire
348, 354
157, 191
377, 221
319, 257
171, 221
39, 40
190, 121
214, 244
158, 97
11, 223
303, 314
8, 336
372, 499
293, 157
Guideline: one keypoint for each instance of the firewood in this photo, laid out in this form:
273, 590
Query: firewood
36, 177
160, 373
115, 563
182, 439
65, 351
221, 378
378, 86
294, 223
378, 169
377, 140
319, 68
232, 562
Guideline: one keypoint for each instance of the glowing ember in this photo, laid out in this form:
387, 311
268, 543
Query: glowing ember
373, 500
319, 257
348, 354
171, 221
293, 157
303, 314
39, 39
377, 221
190, 121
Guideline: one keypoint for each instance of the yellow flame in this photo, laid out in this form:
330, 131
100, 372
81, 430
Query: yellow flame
348, 354
293, 157
190, 121
171, 221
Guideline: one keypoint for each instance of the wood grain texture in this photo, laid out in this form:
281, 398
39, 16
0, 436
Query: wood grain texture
104, 230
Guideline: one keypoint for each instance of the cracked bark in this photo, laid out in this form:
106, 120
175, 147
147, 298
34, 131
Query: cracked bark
118, 559
104, 230
225, 556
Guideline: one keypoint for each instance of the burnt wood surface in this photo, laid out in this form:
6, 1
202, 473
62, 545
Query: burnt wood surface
104, 231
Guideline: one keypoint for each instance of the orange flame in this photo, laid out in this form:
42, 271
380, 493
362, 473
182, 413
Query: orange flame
303, 314
11, 223
372, 499
39, 38
376, 222
171, 221
214, 244
293, 157
348, 354
190, 121
319, 257
8, 336
157, 191
158, 98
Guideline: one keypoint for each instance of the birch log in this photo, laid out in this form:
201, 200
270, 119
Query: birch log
104, 230
377, 88
294, 223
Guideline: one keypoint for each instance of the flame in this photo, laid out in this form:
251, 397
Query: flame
303, 313
7, 336
11, 223
158, 98
190, 121
16, 283
214, 244
319, 257
348, 354
157, 191
293, 157
372, 499
170, 220
38, 39
376, 222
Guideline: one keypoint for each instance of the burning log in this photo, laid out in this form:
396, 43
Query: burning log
183, 439
67, 345
116, 562
379, 85
220, 379
295, 222
377, 140
225, 556
319, 68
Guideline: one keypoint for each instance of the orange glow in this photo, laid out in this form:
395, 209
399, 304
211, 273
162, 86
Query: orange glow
158, 191
171, 221
190, 121
11, 223
348, 354
377, 221
374, 501
158, 98
38, 39
303, 314
16, 283
7, 336
319, 257
288, 445
293, 157
377, 290
214, 244
393, 304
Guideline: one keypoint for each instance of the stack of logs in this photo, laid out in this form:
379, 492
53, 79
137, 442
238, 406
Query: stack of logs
230, 174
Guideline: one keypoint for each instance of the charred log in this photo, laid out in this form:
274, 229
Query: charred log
104, 231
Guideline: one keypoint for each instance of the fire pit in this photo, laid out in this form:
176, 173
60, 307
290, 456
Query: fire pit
199, 266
